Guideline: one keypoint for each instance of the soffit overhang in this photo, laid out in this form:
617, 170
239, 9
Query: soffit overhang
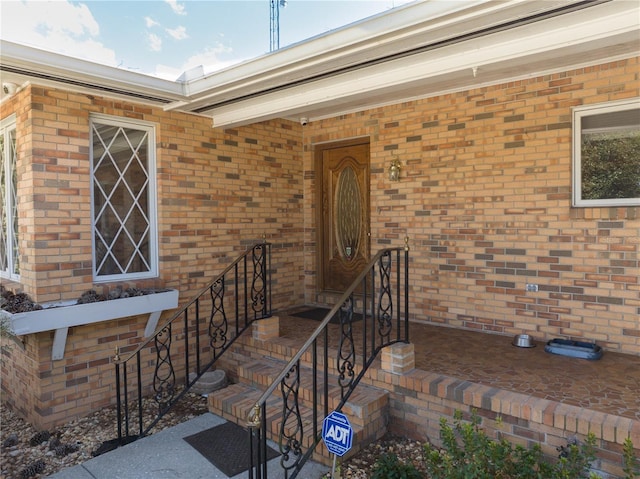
21, 64
419, 50
553, 45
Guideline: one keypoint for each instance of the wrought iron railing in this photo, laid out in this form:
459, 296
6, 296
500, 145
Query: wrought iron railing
191, 342
381, 295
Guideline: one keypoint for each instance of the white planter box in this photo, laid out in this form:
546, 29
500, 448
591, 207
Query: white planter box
60, 317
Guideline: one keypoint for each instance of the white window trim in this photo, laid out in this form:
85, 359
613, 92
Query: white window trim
578, 114
150, 128
7, 125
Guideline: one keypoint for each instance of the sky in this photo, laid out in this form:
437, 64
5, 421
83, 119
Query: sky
165, 38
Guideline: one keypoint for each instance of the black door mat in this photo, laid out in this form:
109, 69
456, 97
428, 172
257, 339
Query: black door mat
319, 314
226, 447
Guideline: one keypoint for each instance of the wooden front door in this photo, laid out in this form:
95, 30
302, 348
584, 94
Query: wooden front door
344, 221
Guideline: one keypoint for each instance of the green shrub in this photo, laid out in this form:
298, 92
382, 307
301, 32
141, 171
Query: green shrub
575, 460
631, 466
388, 466
468, 453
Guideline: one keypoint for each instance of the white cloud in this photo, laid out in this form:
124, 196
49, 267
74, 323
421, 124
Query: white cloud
150, 22
178, 8
154, 42
179, 33
61, 27
208, 58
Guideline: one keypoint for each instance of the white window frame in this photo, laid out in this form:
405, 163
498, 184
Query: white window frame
578, 114
150, 129
7, 126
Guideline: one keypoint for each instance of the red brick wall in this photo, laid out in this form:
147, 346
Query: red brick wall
485, 199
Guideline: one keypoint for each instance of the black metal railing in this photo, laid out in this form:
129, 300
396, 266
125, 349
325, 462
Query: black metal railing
381, 295
191, 342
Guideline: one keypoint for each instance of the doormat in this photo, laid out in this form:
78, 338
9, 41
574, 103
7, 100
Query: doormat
318, 314
226, 447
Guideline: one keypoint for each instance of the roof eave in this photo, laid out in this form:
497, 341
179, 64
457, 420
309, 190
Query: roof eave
30, 64
598, 34
395, 32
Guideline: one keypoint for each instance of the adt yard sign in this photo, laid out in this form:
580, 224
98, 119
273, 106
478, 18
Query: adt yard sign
337, 433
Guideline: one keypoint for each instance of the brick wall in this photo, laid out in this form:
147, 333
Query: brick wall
485, 199
219, 192
420, 399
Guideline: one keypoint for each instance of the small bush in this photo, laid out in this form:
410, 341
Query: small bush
468, 453
631, 466
388, 466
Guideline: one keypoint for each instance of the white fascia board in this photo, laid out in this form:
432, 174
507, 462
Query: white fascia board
527, 41
325, 45
61, 66
407, 27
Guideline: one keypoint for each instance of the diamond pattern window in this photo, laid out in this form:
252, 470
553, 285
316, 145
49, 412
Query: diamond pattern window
123, 199
9, 244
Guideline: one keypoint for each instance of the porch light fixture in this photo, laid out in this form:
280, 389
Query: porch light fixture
394, 170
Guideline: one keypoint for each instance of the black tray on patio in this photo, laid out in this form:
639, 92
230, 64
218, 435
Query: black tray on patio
574, 349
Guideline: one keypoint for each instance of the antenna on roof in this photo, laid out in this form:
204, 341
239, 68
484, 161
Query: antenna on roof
274, 28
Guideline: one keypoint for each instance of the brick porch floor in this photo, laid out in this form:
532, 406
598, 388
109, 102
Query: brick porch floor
609, 385
526, 396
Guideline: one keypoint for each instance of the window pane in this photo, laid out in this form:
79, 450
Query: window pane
121, 194
607, 154
4, 211
348, 213
14, 202
9, 240
611, 165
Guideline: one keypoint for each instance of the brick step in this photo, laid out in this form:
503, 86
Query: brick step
283, 349
253, 364
235, 402
364, 405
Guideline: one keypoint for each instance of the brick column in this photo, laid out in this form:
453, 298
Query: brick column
267, 328
399, 358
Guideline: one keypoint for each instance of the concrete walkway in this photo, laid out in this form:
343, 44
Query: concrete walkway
165, 455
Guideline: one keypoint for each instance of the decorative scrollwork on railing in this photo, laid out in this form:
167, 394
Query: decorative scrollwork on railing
347, 350
376, 301
164, 377
201, 316
291, 430
218, 324
258, 284
385, 299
